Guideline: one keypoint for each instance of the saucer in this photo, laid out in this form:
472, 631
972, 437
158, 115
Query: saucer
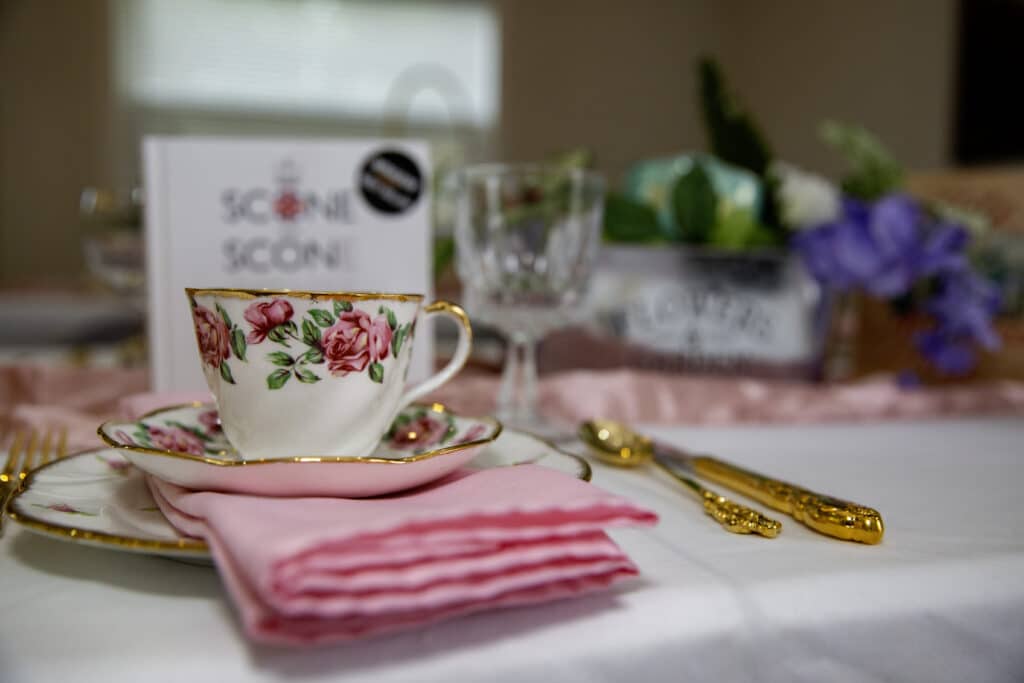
184, 445
100, 498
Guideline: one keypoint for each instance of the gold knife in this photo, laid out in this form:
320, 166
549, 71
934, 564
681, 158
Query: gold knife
824, 514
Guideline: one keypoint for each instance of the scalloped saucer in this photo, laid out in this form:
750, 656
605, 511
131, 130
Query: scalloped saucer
99, 498
185, 445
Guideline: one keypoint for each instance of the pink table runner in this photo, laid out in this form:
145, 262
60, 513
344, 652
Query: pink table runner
79, 399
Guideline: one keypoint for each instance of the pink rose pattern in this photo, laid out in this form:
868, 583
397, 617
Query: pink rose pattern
202, 437
64, 507
210, 421
420, 432
472, 434
176, 439
345, 339
264, 316
355, 341
212, 335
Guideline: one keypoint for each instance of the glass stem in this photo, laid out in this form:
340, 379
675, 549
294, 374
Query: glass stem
517, 399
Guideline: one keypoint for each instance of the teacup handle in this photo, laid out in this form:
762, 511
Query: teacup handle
458, 360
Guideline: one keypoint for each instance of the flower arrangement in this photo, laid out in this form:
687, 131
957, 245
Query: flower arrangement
866, 237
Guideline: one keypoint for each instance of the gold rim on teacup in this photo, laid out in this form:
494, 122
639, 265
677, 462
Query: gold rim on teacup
496, 425
241, 293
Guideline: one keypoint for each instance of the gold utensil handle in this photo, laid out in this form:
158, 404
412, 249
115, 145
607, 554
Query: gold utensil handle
739, 519
830, 516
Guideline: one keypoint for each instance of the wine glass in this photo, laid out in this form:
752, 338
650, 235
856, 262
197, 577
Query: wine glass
526, 236
112, 241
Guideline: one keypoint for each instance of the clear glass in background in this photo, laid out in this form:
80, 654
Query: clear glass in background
113, 242
526, 239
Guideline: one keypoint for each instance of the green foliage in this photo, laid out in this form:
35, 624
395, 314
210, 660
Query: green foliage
739, 229
444, 253
277, 378
238, 343
627, 220
873, 172
732, 133
377, 373
321, 317
281, 358
695, 205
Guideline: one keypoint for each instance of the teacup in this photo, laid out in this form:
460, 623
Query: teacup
312, 373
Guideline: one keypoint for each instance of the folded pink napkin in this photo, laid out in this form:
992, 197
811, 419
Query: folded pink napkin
316, 570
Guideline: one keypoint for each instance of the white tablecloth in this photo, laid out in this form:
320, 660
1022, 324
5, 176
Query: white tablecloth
942, 599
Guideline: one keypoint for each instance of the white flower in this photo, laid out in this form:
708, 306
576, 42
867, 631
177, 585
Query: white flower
807, 199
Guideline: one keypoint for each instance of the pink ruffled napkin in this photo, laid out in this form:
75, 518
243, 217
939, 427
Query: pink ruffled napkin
315, 570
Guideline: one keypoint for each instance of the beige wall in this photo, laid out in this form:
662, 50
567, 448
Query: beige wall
612, 75
618, 75
888, 65
54, 100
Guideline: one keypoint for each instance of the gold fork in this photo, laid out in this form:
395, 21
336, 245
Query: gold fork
26, 453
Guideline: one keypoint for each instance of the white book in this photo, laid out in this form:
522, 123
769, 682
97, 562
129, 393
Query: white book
281, 214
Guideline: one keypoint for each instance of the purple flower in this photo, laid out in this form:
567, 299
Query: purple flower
963, 308
885, 249
882, 249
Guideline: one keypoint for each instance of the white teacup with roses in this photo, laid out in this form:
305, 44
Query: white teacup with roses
312, 373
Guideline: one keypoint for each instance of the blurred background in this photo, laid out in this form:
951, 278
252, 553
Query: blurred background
81, 81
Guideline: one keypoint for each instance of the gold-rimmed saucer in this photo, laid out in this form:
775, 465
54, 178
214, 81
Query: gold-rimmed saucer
184, 445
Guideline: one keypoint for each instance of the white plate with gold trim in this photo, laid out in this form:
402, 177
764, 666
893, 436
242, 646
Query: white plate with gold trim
100, 498
185, 445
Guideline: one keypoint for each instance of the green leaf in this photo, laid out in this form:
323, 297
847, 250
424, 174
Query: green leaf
278, 335
448, 433
314, 356
306, 376
873, 172
695, 205
289, 327
444, 254
340, 306
238, 344
200, 434
310, 332
377, 373
281, 358
398, 339
277, 378
627, 220
734, 136
392, 320
323, 318
225, 373
224, 315
738, 229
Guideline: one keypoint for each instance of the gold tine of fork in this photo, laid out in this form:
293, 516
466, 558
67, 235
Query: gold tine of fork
31, 453
10, 471
62, 443
10, 478
46, 450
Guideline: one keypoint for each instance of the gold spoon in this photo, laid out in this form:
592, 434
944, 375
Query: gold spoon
612, 443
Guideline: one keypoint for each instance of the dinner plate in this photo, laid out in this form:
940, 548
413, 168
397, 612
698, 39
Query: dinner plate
100, 498
186, 446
